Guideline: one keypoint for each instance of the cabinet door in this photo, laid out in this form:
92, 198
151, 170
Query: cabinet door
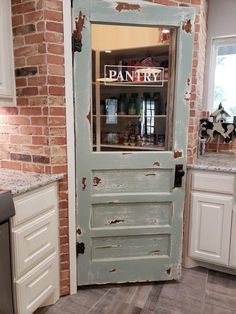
210, 227
232, 261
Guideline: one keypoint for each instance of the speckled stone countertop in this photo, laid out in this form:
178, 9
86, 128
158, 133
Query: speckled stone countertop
19, 182
216, 162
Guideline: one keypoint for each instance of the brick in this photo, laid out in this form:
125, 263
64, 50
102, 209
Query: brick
20, 157
17, 20
54, 5
20, 62
20, 82
26, 71
33, 168
56, 70
56, 80
18, 120
8, 110
52, 59
24, 29
40, 26
39, 120
20, 139
58, 141
56, 90
23, 7
36, 60
54, 38
40, 140
26, 51
27, 91
37, 80
33, 17
55, 49
11, 165
34, 39
54, 27
18, 41
29, 130
53, 16
31, 111
57, 111
41, 159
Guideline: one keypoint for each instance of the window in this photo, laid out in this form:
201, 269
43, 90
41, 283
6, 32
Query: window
7, 79
223, 75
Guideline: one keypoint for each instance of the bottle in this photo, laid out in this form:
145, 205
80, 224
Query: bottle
122, 104
157, 103
202, 146
132, 109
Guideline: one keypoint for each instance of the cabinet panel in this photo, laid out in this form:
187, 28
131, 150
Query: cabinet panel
34, 242
213, 182
232, 261
34, 203
210, 227
33, 289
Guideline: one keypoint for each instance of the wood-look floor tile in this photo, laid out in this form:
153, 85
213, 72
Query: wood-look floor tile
221, 291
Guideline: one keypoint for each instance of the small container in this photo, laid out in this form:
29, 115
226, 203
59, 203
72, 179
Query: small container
202, 146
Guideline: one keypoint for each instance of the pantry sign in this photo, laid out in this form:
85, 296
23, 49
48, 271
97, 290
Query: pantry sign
133, 75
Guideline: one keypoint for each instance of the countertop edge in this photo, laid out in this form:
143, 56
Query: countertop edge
20, 182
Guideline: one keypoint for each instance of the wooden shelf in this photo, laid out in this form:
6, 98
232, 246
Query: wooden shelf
129, 84
130, 116
153, 147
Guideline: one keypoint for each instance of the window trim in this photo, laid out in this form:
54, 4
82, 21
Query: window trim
215, 43
8, 90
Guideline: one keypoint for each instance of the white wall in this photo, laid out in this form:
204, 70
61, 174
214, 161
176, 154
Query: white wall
221, 22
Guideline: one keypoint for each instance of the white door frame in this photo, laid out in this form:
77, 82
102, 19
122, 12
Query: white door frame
67, 24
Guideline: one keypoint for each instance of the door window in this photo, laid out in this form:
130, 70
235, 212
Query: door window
132, 81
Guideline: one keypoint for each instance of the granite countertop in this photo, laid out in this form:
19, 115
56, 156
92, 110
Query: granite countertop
19, 182
216, 162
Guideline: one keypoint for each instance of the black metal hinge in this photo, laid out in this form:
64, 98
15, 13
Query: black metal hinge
72, 3
80, 248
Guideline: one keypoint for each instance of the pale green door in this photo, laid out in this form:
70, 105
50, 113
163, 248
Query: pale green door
132, 79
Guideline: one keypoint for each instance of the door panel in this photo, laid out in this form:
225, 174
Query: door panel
129, 212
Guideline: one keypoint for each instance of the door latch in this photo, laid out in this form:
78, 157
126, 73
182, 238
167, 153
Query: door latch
80, 248
179, 173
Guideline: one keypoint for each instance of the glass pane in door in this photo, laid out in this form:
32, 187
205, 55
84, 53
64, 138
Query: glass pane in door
132, 87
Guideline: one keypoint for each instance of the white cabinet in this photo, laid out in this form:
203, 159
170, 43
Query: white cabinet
7, 78
35, 249
210, 227
211, 219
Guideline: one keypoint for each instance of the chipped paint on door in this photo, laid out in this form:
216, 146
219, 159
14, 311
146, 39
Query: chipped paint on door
129, 212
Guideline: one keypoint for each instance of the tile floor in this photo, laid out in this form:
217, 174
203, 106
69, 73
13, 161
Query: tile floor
200, 291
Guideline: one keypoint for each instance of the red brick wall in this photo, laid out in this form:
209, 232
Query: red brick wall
33, 134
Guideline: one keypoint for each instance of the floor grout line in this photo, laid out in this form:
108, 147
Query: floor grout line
204, 299
98, 301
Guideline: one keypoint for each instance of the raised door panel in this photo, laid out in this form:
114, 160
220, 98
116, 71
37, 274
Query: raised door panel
210, 227
34, 242
232, 261
37, 286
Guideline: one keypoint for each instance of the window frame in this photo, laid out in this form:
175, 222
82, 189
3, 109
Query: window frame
7, 81
215, 44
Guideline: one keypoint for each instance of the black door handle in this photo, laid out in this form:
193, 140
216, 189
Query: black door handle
179, 173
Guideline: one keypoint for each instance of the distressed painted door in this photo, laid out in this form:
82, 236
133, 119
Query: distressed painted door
130, 207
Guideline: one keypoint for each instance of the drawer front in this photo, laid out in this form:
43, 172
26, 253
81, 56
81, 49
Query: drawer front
213, 182
34, 203
34, 242
35, 288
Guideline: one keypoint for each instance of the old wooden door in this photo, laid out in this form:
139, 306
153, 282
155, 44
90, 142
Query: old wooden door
131, 108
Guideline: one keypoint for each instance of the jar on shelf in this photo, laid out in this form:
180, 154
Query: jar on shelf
132, 109
157, 103
122, 104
